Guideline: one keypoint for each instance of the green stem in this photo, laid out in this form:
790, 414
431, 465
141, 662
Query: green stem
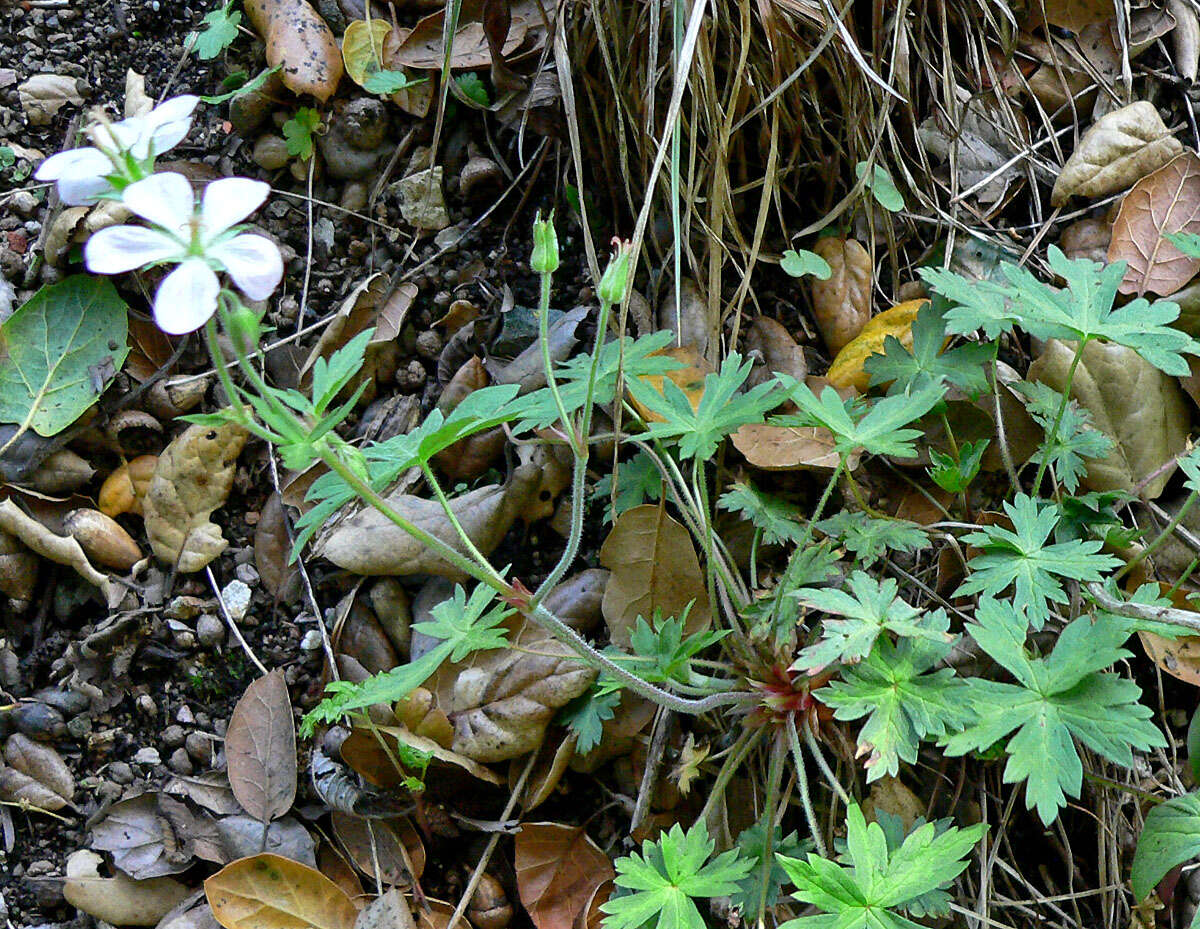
1062, 408
810, 815
466, 540
214, 349
1162, 537
548, 363
737, 754
808, 531
779, 748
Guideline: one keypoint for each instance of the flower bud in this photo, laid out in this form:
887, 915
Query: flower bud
245, 327
544, 259
616, 276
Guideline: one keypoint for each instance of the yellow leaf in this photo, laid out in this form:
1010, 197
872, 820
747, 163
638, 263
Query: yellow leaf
271, 892
847, 368
689, 379
361, 47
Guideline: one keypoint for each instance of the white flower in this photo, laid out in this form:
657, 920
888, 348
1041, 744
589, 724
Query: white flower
198, 240
82, 173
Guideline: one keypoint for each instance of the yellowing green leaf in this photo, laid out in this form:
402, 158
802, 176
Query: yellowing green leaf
361, 47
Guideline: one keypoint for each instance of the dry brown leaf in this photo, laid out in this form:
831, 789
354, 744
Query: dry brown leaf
270, 892
468, 458
1161, 203
842, 303
387, 911
260, 746
59, 549
334, 866
149, 349
18, 570
150, 835
372, 304
1087, 238
1178, 657
558, 870
272, 550
422, 47
368, 842
43, 95
119, 900
192, 478
369, 543
300, 44
36, 774
769, 340
364, 754
1073, 14
654, 567
62, 472
789, 448
102, 538
1131, 401
1118, 150
1185, 39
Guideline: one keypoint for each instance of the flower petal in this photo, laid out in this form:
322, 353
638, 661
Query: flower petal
253, 261
77, 191
229, 201
118, 249
165, 200
170, 123
186, 298
75, 163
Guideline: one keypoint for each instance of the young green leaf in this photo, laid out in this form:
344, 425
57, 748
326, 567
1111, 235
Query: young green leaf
877, 879
388, 82
587, 713
721, 411
666, 879
1064, 697
883, 188
965, 366
1024, 559
638, 480
219, 32
753, 847
1073, 441
869, 537
775, 518
954, 475
1170, 837
903, 700
800, 262
299, 132
242, 86
870, 608
472, 85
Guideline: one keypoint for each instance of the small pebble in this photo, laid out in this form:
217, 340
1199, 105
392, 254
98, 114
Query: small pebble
147, 756
79, 727
179, 762
236, 597
185, 715
39, 722
67, 702
147, 707
173, 736
429, 344
210, 631
23, 202
120, 772
199, 747
311, 643
270, 152
108, 792
247, 574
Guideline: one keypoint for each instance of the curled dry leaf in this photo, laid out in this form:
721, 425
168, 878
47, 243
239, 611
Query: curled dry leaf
1131, 401
1121, 148
103, 538
271, 550
18, 569
842, 302
43, 95
300, 44
59, 549
654, 567
789, 448
469, 458
769, 340
363, 752
847, 369
242, 836
489, 907
270, 892
1161, 203
369, 543
192, 477
422, 47
393, 843
1185, 39
119, 900
558, 871
36, 774
62, 472
151, 835
260, 746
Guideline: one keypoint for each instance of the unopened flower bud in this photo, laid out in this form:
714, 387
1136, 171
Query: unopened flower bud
615, 278
544, 259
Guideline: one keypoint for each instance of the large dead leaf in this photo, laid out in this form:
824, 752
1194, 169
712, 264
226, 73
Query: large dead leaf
242, 836
35, 774
842, 302
654, 567
1118, 150
387, 911
43, 95
789, 448
1135, 404
370, 543
1161, 203
558, 870
151, 835
193, 477
372, 843
260, 746
422, 47
270, 892
1073, 14
300, 44
982, 155
119, 900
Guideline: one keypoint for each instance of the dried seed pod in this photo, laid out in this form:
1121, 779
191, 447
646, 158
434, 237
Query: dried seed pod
102, 539
173, 397
61, 472
124, 490
489, 907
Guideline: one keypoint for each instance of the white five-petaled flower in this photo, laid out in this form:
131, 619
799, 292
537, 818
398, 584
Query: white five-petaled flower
198, 240
82, 173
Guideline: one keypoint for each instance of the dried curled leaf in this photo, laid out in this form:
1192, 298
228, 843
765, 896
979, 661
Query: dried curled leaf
368, 842
192, 478
842, 302
1162, 203
59, 549
300, 44
558, 870
654, 567
103, 538
151, 835
261, 748
271, 892
1131, 401
1118, 150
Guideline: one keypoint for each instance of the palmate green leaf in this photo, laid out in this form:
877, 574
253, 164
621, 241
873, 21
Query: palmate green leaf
877, 879
462, 625
1057, 700
721, 411
868, 538
219, 32
1074, 440
752, 845
800, 262
638, 480
298, 131
1170, 837
666, 879
904, 701
954, 475
965, 366
587, 713
1023, 558
875, 427
869, 608
59, 351
1083, 311
775, 518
